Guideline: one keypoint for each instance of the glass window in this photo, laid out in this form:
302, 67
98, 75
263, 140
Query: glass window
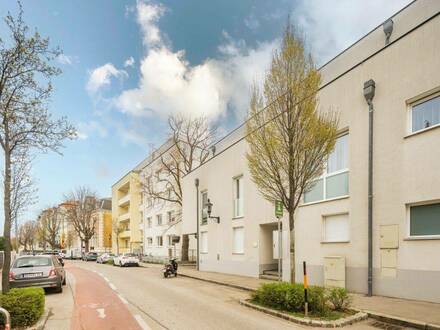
159, 240
238, 240
149, 222
334, 181
150, 241
426, 114
336, 228
170, 215
204, 208
204, 242
424, 220
238, 197
159, 219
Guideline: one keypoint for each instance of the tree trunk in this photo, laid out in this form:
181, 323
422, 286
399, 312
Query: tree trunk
185, 248
117, 245
7, 224
86, 245
292, 246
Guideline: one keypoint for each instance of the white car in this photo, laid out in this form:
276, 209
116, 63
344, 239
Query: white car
126, 259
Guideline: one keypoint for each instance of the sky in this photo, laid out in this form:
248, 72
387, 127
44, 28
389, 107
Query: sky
128, 65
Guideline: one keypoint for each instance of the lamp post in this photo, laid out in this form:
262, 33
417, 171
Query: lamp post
209, 209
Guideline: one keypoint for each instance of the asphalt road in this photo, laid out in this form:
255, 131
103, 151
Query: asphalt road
108, 297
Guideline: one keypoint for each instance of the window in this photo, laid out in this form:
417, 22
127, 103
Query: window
170, 240
334, 182
336, 228
238, 197
238, 240
171, 217
159, 241
149, 222
425, 114
159, 219
204, 242
149, 241
204, 208
424, 220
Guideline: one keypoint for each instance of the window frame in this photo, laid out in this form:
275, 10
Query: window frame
415, 102
323, 227
202, 247
408, 222
235, 180
324, 177
203, 221
157, 241
233, 241
161, 219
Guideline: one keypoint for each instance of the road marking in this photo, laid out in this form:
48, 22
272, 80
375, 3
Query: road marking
101, 313
141, 322
105, 278
123, 299
112, 286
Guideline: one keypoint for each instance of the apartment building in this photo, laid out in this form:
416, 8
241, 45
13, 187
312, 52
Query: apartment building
126, 201
161, 219
102, 217
402, 57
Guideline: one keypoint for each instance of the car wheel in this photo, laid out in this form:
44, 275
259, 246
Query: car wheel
59, 289
64, 281
120, 264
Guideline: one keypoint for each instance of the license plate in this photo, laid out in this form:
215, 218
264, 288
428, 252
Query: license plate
32, 275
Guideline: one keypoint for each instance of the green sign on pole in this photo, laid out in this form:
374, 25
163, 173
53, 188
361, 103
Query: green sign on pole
278, 209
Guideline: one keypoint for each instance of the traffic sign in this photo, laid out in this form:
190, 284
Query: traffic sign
278, 209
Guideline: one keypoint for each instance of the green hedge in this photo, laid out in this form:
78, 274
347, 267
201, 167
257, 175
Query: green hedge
109, 262
290, 297
25, 306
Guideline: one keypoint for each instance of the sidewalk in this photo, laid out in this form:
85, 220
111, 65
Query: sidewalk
419, 314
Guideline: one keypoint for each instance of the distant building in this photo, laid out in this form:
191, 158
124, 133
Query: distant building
102, 216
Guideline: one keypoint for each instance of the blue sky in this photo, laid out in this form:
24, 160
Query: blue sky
127, 65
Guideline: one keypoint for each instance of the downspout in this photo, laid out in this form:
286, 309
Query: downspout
369, 91
196, 182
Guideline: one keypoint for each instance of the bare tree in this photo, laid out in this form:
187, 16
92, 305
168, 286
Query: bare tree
189, 143
25, 89
117, 229
49, 225
26, 235
290, 140
83, 202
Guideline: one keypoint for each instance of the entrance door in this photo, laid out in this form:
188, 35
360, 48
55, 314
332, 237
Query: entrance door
275, 246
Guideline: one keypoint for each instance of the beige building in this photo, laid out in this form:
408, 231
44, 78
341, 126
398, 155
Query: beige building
332, 222
126, 200
102, 217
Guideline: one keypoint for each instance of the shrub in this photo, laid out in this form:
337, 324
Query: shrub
109, 262
339, 298
272, 294
317, 299
295, 298
25, 306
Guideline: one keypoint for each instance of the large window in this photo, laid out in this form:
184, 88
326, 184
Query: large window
334, 182
238, 197
149, 241
204, 208
238, 240
159, 240
204, 242
159, 219
171, 217
336, 228
424, 220
425, 114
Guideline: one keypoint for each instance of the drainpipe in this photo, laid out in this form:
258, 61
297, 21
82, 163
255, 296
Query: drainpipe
369, 90
196, 182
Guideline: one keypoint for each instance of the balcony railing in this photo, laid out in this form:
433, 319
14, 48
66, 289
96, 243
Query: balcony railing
124, 216
124, 200
125, 234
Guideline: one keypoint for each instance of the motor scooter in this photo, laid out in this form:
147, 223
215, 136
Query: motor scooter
170, 268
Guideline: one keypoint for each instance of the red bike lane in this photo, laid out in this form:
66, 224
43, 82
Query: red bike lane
97, 306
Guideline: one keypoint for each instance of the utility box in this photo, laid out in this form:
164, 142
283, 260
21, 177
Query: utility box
389, 236
334, 271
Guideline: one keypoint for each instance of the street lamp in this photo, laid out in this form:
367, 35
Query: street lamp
209, 209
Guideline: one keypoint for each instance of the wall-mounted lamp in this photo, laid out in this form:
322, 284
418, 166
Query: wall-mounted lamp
388, 29
209, 209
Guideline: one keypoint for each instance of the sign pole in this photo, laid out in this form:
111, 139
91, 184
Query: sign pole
306, 303
279, 215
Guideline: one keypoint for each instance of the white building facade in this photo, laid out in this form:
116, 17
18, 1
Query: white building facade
331, 226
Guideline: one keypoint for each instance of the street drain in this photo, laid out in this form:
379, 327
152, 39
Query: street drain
387, 326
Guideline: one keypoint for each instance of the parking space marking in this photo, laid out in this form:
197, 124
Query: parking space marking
141, 322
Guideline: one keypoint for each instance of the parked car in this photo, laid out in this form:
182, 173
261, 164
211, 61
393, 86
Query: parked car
37, 271
74, 254
126, 259
103, 258
90, 256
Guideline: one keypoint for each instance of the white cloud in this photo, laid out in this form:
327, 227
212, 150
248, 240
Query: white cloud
86, 129
331, 26
170, 84
129, 62
102, 75
65, 59
252, 22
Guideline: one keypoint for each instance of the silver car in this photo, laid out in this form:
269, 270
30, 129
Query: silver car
37, 271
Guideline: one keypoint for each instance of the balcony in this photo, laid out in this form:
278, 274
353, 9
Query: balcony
141, 226
124, 217
124, 201
125, 234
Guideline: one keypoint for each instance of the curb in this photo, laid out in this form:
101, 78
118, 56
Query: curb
42, 321
400, 320
359, 316
218, 282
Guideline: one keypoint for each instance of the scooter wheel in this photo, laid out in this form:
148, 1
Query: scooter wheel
165, 275
175, 275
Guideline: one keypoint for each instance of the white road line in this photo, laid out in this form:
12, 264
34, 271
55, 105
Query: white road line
105, 278
123, 299
141, 322
112, 286
101, 313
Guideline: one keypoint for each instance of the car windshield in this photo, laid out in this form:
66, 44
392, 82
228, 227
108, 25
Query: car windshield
93, 253
32, 262
129, 255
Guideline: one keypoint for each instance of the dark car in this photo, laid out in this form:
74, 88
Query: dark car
43, 271
90, 256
